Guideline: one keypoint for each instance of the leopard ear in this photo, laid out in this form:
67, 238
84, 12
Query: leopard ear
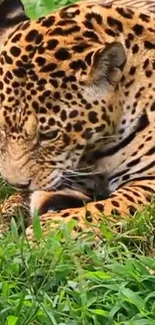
11, 13
108, 64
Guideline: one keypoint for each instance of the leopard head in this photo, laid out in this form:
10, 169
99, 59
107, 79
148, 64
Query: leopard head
58, 90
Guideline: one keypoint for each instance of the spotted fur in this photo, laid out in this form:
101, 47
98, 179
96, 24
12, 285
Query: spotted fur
77, 113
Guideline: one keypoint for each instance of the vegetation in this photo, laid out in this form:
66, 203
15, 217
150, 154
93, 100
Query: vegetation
62, 281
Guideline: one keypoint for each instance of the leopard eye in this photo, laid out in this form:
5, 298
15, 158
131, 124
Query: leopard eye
51, 135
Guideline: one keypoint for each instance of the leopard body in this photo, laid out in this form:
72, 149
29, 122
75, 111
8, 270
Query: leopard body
77, 108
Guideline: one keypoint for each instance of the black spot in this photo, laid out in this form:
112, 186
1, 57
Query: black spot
132, 210
146, 63
9, 75
144, 17
64, 32
88, 106
133, 162
152, 108
110, 32
41, 99
93, 117
49, 105
115, 203
58, 74
127, 43
152, 30
138, 94
56, 109
138, 29
124, 12
125, 178
42, 119
30, 37
95, 16
20, 72
48, 67
51, 44
79, 64
66, 214
115, 23
47, 93
70, 78
41, 49
115, 212
92, 35
8, 59
149, 45
51, 121
64, 85
88, 24
73, 114
16, 38
78, 126
68, 127
40, 60
56, 95
148, 73
143, 122
135, 49
29, 48
74, 87
48, 21
100, 207
129, 83
100, 128
24, 58
132, 71
15, 51
2, 97
63, 115
130, 37
39, 39
79, 48
87, 134
66, 139
54, 83
62, 54
69, 96
15, 84
150, 151
88, 216
65, 22
35, 105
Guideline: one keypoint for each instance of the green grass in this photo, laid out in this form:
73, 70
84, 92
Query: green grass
36, 8
62, 281
69, 282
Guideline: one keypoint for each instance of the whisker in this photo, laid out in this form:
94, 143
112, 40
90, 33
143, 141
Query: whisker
77, 173
66, 183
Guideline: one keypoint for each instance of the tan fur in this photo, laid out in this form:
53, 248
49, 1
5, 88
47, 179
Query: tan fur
87, 108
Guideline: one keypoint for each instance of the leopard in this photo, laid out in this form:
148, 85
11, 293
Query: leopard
77, 111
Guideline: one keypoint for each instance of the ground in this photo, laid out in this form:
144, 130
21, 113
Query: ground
67, 282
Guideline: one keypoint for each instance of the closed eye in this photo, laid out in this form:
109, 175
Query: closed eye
51, 135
